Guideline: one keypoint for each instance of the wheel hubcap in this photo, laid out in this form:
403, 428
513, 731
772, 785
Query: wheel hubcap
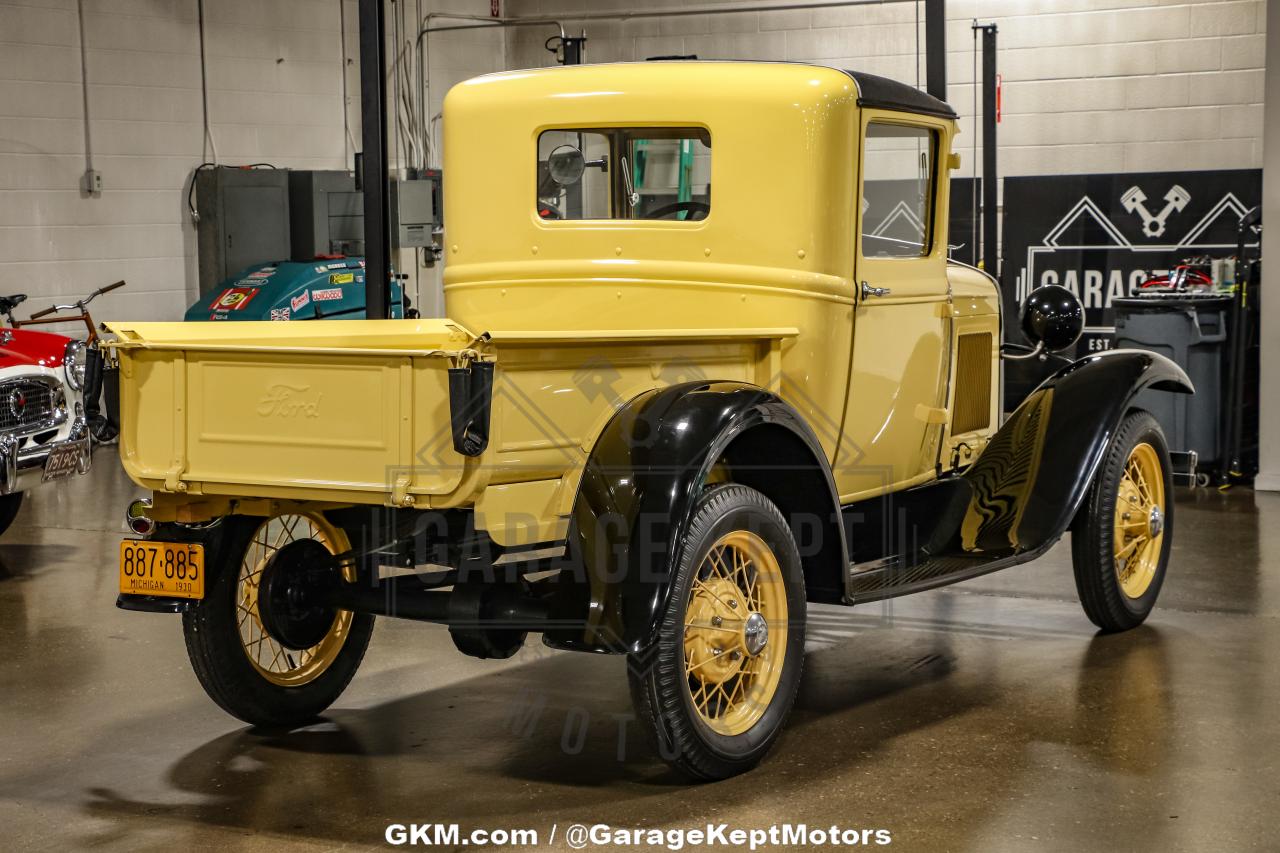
755, 634
735, 633
1139, 521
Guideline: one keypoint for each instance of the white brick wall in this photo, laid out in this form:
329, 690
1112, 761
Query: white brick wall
274, 74
1089, 85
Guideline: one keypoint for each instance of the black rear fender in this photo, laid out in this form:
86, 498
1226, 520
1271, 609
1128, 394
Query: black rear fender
640, 486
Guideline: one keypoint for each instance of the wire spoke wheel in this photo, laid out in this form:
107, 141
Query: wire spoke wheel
1139, 521
735, 633
1122, 535
715, 688
278, 664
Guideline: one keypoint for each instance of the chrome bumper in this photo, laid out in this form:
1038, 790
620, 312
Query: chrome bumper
21, 470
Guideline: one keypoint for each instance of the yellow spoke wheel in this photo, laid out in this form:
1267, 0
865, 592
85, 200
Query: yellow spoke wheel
715, 687
273, 661
1122, 534
1139, 521
263, 641
735, 633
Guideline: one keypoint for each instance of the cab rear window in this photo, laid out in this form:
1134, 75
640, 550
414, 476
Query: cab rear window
624, 173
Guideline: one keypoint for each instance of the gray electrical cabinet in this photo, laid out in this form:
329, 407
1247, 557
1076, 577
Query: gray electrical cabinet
413, 212
244, 220
327, 214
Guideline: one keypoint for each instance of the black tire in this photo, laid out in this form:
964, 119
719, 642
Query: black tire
1093, 548
218, 654
9, 506
660, 685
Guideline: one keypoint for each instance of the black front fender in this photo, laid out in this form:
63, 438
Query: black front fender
640, 486
1030, 481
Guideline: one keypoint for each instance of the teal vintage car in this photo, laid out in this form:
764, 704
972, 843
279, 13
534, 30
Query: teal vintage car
292, 290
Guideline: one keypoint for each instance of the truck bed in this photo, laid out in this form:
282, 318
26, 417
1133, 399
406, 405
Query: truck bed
355, 411
283, 409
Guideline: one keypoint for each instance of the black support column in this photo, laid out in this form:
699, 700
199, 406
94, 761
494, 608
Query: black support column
373, 124
990, 176
935, 48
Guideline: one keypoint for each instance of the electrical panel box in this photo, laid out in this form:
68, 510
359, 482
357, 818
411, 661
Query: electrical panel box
326, 214
244, 220
414, 212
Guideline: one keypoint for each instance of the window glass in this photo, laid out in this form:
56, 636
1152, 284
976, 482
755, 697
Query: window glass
624, 173
897, 191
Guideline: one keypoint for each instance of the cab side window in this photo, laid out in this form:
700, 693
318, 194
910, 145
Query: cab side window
624, 173
898, 190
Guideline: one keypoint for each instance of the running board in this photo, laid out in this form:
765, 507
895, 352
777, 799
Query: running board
895, 576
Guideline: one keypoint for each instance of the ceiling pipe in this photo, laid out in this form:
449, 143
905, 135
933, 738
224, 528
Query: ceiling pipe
684, 11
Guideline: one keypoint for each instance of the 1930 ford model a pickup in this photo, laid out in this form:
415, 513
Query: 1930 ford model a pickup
657, 420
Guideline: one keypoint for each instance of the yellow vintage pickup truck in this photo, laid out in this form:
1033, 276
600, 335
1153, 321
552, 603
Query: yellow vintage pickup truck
705, 360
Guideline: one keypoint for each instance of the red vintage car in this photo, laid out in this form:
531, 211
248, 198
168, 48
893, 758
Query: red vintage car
43, 431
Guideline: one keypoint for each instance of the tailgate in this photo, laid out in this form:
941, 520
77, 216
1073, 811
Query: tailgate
336, 410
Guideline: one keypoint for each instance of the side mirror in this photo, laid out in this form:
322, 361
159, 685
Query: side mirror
1052, 318
565, 165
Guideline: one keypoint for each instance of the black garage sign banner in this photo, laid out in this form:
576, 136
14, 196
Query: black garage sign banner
1101, 236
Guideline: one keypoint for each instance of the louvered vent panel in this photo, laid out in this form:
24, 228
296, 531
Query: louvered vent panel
973, 383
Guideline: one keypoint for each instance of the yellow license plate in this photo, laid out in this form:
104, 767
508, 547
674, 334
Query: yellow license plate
168, 569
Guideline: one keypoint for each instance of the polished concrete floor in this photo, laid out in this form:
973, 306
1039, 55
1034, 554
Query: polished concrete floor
988, 717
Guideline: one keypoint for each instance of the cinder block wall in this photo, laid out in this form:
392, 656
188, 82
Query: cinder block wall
1089, 85
275, 95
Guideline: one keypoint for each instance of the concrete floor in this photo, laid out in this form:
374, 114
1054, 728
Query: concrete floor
989, 716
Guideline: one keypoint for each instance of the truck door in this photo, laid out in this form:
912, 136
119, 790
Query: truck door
894, 414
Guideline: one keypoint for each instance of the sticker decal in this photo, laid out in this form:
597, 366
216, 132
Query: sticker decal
342, 278
267, 273
280, 313
300, 301
332, 294
234, 298
340, 265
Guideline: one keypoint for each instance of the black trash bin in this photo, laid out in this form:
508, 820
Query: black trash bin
1191, 329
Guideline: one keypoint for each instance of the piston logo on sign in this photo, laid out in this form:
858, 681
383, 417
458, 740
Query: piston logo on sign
1134, 200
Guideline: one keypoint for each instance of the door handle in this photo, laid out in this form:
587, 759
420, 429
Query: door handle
868, 290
